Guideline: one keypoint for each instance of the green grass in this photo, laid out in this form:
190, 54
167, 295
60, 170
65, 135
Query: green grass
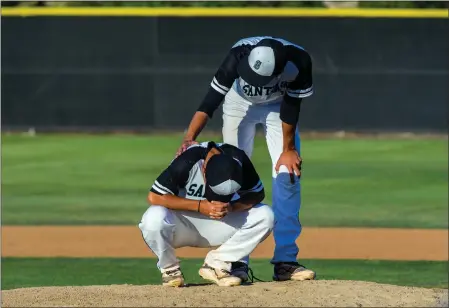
91, 179
19, 273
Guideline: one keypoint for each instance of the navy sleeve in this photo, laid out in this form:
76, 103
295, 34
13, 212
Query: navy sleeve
289, 111
176, 175
302, 86
223, 80
299, 88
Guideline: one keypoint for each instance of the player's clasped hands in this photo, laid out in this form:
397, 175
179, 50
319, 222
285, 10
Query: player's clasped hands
214, 209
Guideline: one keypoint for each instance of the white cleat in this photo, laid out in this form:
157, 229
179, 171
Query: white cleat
221, 277
172, 277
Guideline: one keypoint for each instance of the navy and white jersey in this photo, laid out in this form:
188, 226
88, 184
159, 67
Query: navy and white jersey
184, 176
295, 81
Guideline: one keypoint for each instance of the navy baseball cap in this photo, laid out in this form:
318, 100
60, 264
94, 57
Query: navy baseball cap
223, 177
265, 61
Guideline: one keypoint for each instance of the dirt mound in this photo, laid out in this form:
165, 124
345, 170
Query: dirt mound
270, 294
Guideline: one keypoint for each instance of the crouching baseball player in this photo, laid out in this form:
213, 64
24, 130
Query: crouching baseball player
208, 196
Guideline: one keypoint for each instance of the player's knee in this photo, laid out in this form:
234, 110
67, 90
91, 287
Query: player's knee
283, 180
155, 218
265, 217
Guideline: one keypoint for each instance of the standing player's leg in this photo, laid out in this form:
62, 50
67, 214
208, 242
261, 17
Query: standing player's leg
286, 204
239, 128
237, 235
239, 125
286, 196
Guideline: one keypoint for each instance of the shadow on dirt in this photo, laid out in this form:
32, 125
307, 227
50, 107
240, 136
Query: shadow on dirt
188, 285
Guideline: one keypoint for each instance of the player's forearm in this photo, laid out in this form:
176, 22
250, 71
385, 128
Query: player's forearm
197, 124
248, 200
288, 136
173, 202
205, 111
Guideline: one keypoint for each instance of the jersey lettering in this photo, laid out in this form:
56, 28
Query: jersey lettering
194, 191
259, 91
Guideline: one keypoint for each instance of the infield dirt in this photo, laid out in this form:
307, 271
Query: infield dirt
269, 294
324, 243
314, 243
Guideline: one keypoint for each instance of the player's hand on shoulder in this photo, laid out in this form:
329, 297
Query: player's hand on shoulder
214, 209
185, 144
292, 161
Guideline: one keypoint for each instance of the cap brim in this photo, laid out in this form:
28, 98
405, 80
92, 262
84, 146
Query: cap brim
211, 196
248, 75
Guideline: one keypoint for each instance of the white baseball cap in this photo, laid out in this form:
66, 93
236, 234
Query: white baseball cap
224, 177
265, 61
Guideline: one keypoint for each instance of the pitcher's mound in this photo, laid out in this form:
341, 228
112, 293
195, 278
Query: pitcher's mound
318, 293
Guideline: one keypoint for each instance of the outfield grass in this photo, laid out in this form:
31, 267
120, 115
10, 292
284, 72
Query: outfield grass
87, 179
19, 273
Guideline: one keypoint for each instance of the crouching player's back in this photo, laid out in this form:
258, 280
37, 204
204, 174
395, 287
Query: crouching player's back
208, 196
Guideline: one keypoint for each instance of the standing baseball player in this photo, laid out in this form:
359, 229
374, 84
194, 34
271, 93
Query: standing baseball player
263, 80
209, 196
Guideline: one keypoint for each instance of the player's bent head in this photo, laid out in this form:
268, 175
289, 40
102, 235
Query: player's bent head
223, 174
265, 62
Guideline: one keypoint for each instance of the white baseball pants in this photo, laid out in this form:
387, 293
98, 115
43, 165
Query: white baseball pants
239, 127
237, 234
